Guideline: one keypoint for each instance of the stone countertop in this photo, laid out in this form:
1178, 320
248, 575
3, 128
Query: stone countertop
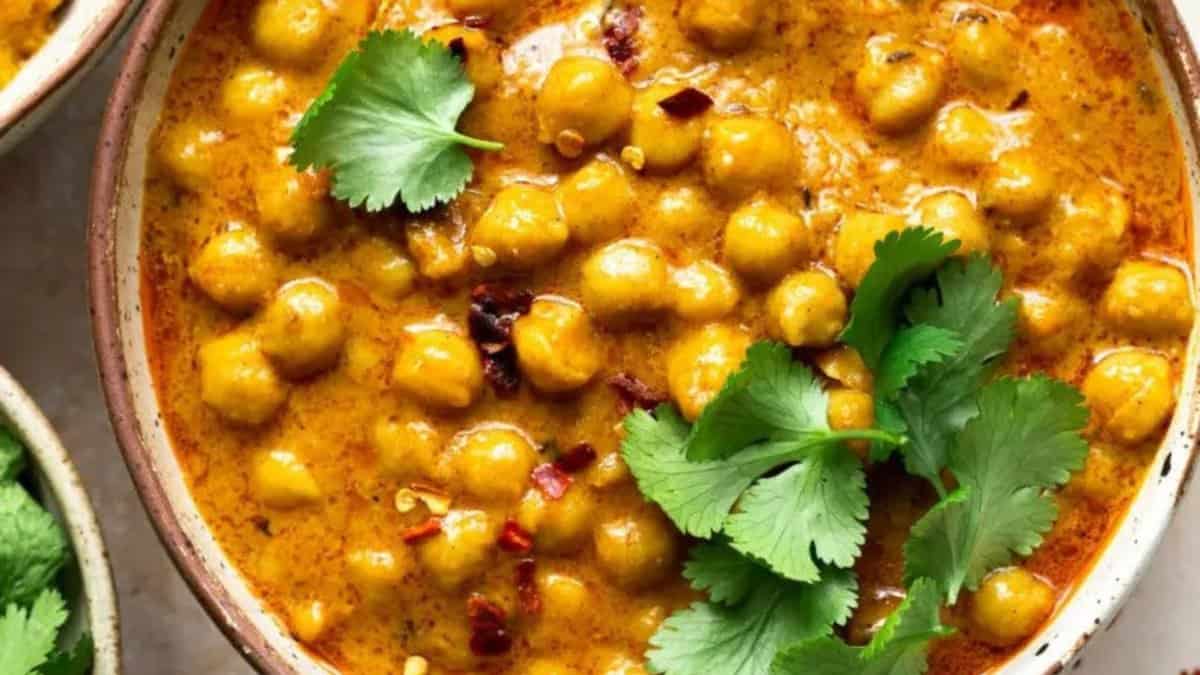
45, 340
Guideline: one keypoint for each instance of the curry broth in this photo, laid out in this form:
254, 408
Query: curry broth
1080, 91
24, 26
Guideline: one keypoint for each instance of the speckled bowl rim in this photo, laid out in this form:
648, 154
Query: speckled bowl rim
1163, 20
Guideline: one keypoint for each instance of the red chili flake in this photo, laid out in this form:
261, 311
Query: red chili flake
621, 27
551, 480
634, 393
493, 311
458, 47
514, 538
686, 103
527, 591
576, 459
489, 629
1021, 99
422, 532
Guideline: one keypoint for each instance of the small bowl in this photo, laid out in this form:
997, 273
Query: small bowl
86, 30
62, 493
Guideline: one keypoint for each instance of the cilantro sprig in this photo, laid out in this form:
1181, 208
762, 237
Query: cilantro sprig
385, 125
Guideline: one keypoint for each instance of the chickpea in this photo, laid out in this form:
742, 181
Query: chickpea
626, 281
548, 667
557, 347
965, 137
482, 57
852, 409
845, 365
620, 664
483, 8
280, 480
303, 329
235, 270
386, 269
1010, 605
955, 217
493, 461
647, 623
254, 93
310, 621
807, 309
900, 84
439, 368
1105, 476
723, 25
406, 447
1050, 318
461, 551
764, 241
1131, 395
684, 213
188, 153
293, 206
704, 291
638, 550
1018, 186
669, 143
610, 470
522, 226
291, 31
854, 249
597, 202
699, 364
558, 525
584, 96
1148, 298
237, 380
745, 154
564, 597
440, 254
1090, 232
377, 573
982, 47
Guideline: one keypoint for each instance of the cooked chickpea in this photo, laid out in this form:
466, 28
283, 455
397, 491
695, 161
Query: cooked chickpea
745, 154
1131, 394
1090, 232
385, 268
1018, 186
647, 623
965, 137
620, 664
290, 30
439, 368
558, 525
764, 241
522, 226
625, 281
482, 8
704, 291
724, 25
669, 143
493, 462
440, 254
955, 217
1050, 319
303, 329
807, 309
1010, 605
638, 550
1149, 298
564, 597
609, 471
982, 47
293, 207
699, 364
406, 448
482, 57
854, 248
1105, 476
586, 96
253, 93
235, 270
310, 620
237, 380
900, 84
280, 480
377, 573
597, 202
852, 409
462, 550
188, 153
557, 347
845, 365
684, 213
548, 667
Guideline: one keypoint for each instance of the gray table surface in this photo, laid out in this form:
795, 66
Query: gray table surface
45, 340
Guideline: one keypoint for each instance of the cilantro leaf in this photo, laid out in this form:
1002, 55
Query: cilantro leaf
899, 648
742, 639
724, 573
33, 548
27, 636
74, 661
385, 125
1025, 440
12, 456
901, 260
909, 351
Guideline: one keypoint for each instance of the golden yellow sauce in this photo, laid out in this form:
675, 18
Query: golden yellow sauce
1035, 130
24, 26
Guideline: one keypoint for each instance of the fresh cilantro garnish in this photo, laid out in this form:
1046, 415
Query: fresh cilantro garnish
385, 125
1025, 440
12, 456
909, 351
751, 614
899, 648
74, 661
33, 548
27, 636
901, 260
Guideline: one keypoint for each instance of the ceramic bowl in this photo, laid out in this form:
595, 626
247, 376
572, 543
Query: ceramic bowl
86, 30
63, 495
121, 345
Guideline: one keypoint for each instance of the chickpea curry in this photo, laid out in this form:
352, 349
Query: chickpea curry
24, 26
672, 336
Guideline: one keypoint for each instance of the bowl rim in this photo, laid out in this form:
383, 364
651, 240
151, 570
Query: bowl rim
107, 24
231, 618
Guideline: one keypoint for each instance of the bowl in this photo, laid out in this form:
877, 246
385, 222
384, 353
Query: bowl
86, 30
63, 495
120, 342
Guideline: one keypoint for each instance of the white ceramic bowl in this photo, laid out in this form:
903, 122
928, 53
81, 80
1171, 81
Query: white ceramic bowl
86, 30
64, 496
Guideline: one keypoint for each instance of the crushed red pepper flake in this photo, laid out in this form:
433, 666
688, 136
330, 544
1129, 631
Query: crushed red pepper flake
421, 532
489, 627
514, 538
551, 480
527, 590
490, 319
621, 25
633, 393
576, 459
686, 103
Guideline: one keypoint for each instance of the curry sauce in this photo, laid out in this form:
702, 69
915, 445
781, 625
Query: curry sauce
24, 26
